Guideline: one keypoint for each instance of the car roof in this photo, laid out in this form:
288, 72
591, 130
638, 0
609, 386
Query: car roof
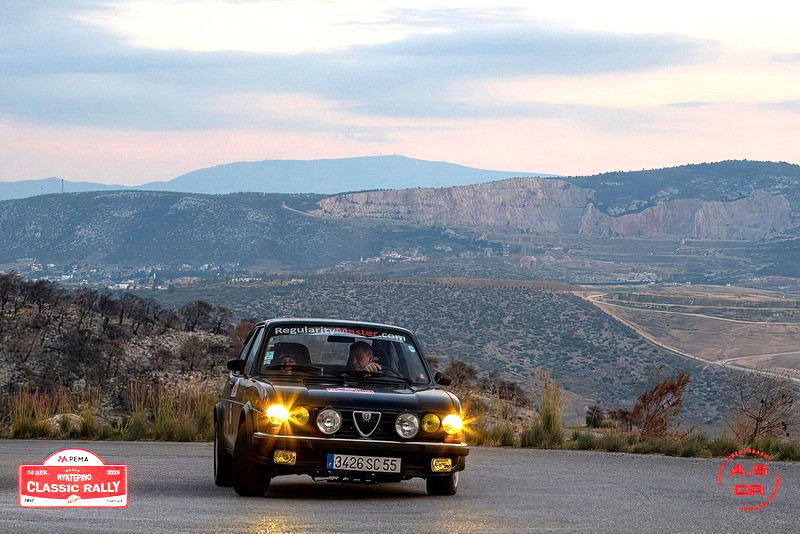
339, 322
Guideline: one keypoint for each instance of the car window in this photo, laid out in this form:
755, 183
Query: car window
252, 352
329, 347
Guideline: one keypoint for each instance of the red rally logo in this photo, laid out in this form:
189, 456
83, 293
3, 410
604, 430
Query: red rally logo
73, 478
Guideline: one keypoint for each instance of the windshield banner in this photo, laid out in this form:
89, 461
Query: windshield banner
363, 332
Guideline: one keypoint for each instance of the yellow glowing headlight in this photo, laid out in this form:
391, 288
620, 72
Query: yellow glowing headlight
452, 424
299, 415
277, 414
431, 422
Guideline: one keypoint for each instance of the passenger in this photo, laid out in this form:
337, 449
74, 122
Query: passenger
362, 359
287, 362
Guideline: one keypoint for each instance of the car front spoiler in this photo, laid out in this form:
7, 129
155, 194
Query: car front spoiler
312, 453
314, 442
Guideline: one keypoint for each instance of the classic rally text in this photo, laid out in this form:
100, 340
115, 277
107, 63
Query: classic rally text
53, 487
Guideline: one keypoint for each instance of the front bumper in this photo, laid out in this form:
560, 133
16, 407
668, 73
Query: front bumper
312, 453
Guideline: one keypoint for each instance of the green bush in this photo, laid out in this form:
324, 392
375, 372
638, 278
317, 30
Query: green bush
501, 434
585, 441
613, 442
656, 445
694, 445
788, 450
780, 449
138, 427
722, 445
185, 430
88, 428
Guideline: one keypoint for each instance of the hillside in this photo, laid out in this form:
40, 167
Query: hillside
509, 329
47, 186
539, 227
618, 193
727, 200
326, 176
136, 227
52, 337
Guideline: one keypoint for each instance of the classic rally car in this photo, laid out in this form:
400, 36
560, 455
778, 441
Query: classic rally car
341, 401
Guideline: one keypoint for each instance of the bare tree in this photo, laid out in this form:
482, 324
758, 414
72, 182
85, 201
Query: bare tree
764, 405
461, 373
656, 411
109, 307
85, 299
193, 354
220, 320
196, 315
9, 287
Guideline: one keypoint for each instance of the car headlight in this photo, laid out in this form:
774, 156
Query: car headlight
299, 415
329, 421
407, 425
277, 414
431, 422
452, 424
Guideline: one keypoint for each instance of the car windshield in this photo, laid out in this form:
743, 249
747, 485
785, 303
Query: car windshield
362, 352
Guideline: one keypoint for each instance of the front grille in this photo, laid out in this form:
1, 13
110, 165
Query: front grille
385, 430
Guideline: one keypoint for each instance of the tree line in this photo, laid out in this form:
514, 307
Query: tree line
54, 336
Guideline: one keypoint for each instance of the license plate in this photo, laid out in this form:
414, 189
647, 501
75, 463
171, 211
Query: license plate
372, 464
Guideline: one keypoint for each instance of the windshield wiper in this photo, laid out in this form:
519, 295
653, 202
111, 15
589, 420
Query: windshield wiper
376, 375
297, 367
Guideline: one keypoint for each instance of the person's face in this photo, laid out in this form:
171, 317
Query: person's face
361, 358
287, 362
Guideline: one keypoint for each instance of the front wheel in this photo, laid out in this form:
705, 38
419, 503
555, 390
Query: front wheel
445, 485
249, 478
223, 462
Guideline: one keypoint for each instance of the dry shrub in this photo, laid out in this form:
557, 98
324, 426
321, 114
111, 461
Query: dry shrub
163, 401
21, 411
138, 399
656, 411
184, 410
547, 431
89, 407
765, 406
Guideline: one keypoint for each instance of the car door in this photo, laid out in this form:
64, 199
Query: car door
234, 397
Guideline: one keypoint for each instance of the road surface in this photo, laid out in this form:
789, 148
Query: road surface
502, 490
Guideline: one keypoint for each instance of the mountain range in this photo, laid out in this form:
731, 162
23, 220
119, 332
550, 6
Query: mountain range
289, 176
712, 206
747, 201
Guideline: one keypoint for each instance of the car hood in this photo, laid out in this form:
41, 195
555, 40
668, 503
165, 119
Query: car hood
367, 397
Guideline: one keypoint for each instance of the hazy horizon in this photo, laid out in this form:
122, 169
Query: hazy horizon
133, 92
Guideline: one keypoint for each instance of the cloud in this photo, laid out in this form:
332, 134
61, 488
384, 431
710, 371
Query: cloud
56, 69
689, 104
786, 105
787, 58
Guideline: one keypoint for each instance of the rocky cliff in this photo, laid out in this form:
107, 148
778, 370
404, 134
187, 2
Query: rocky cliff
553, 206
757, 217
534, 205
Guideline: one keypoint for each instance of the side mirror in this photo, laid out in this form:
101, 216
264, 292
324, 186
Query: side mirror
442, 379
236, 365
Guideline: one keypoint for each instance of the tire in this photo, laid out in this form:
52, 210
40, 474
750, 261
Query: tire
444, 485
223, 462
249, 478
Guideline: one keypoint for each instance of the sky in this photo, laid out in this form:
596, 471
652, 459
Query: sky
128, 92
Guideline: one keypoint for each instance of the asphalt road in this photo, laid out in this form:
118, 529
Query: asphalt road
502, 490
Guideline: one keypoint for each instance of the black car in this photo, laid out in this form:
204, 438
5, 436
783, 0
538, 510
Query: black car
342, 401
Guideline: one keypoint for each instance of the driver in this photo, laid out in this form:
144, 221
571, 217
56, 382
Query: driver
362, 359
287, 362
